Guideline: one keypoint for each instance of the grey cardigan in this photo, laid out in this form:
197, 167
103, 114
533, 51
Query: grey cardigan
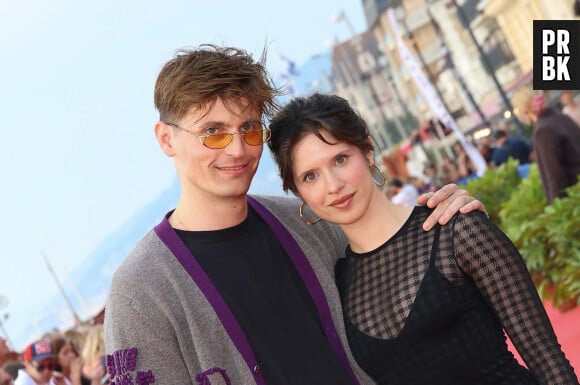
165, 321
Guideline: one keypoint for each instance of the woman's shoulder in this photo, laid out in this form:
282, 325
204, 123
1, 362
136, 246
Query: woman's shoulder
469, 224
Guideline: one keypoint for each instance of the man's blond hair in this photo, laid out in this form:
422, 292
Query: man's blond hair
522, 100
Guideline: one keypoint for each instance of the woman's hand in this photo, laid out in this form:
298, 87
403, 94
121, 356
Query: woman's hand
75, 371
94, 371
58, 379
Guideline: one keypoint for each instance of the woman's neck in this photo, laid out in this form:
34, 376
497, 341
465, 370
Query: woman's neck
381, 221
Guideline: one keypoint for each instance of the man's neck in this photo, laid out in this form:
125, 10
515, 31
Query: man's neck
203, 215
34, 380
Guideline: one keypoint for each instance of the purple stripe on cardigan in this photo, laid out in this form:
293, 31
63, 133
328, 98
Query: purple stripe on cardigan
309, 278
170, 238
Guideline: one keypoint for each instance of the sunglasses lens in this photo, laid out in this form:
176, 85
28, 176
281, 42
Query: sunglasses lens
42, 368
257, 137
253, 138
217, 141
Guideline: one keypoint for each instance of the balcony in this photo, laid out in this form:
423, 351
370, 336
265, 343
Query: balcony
433, 51
498, 57
417, 19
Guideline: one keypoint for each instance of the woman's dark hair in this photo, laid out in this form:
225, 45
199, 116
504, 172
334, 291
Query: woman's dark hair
56, 345
312, 114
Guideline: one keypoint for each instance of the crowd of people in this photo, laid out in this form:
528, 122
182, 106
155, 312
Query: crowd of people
554, 144
72, 357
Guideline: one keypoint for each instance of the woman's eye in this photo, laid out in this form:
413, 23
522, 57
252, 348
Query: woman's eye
309, 177
341, 159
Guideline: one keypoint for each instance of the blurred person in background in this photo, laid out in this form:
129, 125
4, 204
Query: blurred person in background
408, 194
12, 368
5, 377
70, 364
415, 186
7, 354
77, 336
465, 166
556, 142
570, 107
486, 149
393, 187
93, 353
432, 182
507, 146
39, 366
448, 172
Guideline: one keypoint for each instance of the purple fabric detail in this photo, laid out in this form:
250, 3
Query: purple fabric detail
170, 238
145, 378
121, 363
309, 278
203, 377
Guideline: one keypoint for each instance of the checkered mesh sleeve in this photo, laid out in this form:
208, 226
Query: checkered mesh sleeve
485, 254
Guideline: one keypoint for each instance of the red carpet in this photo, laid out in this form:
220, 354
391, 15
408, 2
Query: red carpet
566, 325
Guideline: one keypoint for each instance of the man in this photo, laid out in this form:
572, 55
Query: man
570, 107
228, 288
507, 146
7, 354
39, 366
12, 368
394, 185
556, 142
5, 378
409, 192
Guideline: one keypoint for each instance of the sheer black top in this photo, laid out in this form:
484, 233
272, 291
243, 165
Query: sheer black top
431, 308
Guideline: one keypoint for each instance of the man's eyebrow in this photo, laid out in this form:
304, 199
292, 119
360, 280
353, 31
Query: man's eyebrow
213, 123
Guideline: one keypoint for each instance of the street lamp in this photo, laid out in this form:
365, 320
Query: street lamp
3, 303
487, 64
341, 16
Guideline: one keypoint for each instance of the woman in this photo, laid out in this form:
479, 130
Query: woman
419, 307
70, 364
93, 354
465, 166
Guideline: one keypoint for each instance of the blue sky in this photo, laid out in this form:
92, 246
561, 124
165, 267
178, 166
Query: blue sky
77, 152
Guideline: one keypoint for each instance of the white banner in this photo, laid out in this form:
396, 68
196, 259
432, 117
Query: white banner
435, 103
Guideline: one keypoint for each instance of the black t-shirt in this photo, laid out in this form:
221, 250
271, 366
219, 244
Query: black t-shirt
261, 286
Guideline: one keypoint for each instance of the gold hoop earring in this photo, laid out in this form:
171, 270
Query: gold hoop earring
374, 170
307, 221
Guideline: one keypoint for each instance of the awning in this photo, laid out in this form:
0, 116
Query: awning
495, 104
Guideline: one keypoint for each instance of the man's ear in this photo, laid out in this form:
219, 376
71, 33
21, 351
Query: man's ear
164, 135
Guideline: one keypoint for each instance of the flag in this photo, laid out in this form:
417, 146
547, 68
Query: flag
435, 103
287, 74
